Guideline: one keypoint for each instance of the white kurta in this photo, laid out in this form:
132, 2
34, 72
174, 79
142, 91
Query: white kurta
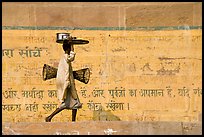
65, 79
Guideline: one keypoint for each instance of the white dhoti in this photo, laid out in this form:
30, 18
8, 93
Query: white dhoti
67, 93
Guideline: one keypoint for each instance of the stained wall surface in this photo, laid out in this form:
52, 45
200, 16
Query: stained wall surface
145, 60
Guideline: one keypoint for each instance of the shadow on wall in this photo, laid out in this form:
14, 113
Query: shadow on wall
104, 115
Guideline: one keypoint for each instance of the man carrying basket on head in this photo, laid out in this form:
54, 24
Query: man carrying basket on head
67, 93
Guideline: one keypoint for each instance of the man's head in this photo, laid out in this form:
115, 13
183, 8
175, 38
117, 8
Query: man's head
66, 47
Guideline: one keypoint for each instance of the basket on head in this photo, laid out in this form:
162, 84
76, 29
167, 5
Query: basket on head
62, 36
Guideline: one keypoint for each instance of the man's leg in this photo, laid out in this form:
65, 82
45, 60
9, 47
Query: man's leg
48, 119
74, 112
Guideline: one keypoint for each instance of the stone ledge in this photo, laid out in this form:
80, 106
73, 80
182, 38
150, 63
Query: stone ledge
102, 128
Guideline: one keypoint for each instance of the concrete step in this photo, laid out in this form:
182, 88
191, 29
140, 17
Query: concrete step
102, 128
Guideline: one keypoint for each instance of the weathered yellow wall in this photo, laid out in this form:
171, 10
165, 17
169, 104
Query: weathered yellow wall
157, 72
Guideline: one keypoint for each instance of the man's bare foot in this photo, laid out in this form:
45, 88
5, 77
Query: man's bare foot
48, 119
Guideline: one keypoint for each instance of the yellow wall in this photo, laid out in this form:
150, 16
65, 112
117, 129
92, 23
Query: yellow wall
157, 72
127, 60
